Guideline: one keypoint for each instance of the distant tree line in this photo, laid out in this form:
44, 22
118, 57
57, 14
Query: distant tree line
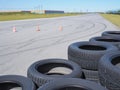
113, 12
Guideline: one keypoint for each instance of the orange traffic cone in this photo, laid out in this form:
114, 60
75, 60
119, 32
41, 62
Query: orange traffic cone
38, 28
60, 28
14, 29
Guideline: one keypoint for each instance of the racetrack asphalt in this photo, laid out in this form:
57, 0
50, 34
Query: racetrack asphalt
18, 50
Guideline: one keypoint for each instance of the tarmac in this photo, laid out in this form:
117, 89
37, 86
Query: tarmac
22, 42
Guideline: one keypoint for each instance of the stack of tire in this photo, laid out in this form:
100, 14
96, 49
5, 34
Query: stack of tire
109, 65
91, 56
96, 60
108, 72
87, 55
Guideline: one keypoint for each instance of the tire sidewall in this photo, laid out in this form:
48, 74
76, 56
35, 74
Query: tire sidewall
60, 83
22, 81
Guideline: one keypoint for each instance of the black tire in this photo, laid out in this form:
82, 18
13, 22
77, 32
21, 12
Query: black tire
91, 75
87, 54
38, 71
108, 84
109, 72
105, 39
8, 82
115, 34
71, 84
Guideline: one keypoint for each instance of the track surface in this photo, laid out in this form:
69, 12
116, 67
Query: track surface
18, 50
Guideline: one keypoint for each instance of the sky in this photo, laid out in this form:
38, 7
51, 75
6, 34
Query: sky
65, 5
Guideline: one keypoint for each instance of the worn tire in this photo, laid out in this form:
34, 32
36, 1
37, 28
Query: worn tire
109, 72
105, 39
38, 71
8, 82
71, 84
115, 34
107, 83
87, 54
91, 75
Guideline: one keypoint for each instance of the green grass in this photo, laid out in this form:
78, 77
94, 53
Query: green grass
115, 19
21, 16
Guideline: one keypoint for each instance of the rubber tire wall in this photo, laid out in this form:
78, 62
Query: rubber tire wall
40, 78
106, 39
115, 34
23, 82
91, 75
78, 84
109, 74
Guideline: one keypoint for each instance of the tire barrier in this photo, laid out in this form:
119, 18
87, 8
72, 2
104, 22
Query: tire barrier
41, 71
106, 39
115, 34
88, 54
8, 82
109, 70
71, 84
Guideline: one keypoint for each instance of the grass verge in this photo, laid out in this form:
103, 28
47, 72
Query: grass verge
21, 16
115, 19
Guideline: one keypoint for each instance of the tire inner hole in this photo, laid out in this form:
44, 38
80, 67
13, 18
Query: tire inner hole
73, 88
55, 69
10, 86
108, 40
116, 61
114, 33
92, 47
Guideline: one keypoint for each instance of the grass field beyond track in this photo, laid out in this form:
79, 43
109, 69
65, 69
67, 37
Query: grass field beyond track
21, 16
115, 19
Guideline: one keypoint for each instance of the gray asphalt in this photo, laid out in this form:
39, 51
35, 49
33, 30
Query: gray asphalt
18, 50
